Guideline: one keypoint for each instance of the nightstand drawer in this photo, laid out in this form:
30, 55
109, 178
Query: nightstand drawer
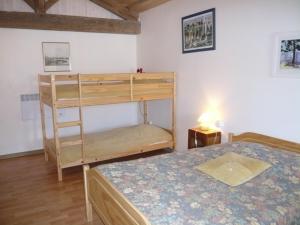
199, 138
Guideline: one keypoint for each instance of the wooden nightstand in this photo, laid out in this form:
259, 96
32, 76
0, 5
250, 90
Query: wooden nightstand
200, 138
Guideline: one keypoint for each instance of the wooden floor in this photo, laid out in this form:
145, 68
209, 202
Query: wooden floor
31, 194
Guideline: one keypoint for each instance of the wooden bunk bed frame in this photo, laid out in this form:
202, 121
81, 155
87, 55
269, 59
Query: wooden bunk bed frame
99, 89
114, 208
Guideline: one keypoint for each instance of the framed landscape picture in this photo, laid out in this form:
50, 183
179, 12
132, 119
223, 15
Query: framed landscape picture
287, 55
56, 56
199, 31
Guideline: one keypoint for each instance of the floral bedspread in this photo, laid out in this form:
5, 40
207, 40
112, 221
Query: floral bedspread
168, 189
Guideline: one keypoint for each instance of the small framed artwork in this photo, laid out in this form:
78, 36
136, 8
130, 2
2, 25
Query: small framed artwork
56, 56
199, 31
287, 55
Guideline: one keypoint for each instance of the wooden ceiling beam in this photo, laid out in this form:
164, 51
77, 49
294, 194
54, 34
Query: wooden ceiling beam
117, 8
49, 4
143, 5
25, 20
39, 6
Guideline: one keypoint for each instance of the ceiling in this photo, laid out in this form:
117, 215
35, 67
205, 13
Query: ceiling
127, 10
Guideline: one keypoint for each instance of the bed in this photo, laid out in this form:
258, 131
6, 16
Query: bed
81, 90
167, 189
112, 143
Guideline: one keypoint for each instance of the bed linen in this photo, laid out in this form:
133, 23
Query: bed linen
169, 190
116, 141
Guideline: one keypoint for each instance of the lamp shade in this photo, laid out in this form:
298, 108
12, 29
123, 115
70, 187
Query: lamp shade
207, 120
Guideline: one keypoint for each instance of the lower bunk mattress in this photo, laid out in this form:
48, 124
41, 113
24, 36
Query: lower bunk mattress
114, 143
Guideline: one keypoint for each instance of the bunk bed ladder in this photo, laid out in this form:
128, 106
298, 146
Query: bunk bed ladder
79, 123
57, 125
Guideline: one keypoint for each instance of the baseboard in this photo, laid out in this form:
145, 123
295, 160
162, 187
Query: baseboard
20, 154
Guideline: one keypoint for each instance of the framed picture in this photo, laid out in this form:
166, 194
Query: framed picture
287, 55
199, 31
56, 56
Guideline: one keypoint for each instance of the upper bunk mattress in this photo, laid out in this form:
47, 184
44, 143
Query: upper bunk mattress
115, 142
169, 189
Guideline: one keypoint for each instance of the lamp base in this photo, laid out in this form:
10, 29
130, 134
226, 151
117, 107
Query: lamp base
204, 128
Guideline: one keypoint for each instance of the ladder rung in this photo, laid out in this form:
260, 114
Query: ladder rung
60, 104
69, 124
70, 143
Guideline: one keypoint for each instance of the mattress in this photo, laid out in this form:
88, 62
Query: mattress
115, 142
169, 190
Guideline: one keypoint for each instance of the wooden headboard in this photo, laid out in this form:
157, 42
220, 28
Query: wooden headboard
266, 140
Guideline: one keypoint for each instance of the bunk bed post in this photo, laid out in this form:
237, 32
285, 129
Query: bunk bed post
80, 118
174, 111
145, 112
131, 87
42, 110
88, 205
55, 127
230, 136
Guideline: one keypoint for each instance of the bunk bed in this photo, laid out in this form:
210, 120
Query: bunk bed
80, 90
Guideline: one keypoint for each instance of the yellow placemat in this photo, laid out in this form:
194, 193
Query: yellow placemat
233, 169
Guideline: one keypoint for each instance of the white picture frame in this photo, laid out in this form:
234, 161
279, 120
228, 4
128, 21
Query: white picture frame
286, 61
56, 56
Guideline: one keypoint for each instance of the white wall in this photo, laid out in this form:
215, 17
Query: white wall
15, 5
80, 8
236, 78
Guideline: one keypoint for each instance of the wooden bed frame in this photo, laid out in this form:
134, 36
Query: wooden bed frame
113, 207
100, 89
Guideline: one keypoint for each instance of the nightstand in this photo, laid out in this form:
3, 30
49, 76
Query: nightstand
200, 138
